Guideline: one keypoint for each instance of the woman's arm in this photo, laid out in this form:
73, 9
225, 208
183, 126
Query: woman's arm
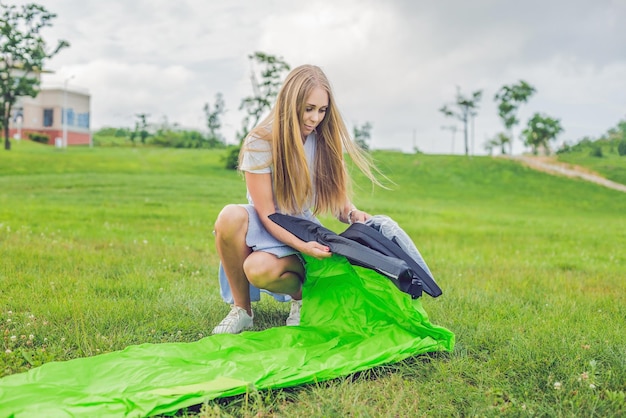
350, 214
260, 189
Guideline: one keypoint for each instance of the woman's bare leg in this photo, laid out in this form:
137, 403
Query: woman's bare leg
231, 227
278, 275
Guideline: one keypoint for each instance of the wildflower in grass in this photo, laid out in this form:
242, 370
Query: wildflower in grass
592, 386
9, 313
557, 385
13, 337
31, 337
583, 376
145, 241
8, 351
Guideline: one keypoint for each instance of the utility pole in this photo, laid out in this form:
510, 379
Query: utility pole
451, 128
64, 114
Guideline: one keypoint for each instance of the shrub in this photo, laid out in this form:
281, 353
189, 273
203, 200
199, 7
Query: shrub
596, 151
232, 158
621, 147
37, 137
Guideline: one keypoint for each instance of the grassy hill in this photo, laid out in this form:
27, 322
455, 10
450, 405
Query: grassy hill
107, 247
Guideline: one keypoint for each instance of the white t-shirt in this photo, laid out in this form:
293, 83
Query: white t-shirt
257, 159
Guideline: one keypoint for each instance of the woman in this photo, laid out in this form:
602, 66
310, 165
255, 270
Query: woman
293, 163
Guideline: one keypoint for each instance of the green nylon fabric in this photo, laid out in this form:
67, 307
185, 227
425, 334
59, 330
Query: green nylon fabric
352, 319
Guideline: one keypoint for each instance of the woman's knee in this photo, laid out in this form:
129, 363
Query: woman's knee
231, 220
264, 269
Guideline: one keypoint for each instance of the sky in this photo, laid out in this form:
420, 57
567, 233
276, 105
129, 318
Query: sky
392, 63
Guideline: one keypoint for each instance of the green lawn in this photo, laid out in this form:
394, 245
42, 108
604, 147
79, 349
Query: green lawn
611, 165
107, 247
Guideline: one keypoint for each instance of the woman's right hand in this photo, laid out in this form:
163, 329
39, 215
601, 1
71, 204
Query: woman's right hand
315, 249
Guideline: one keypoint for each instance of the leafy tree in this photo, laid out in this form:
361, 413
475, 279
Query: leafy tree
265, 89
509, 98
362, 135
213, 120
466, 111
141, 128
23, 52
540, 131
501, 140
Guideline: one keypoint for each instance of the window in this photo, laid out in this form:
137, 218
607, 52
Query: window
48, 117
67, 117
82, 120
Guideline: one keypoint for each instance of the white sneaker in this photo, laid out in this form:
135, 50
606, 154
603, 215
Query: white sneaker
236, 321
294, 314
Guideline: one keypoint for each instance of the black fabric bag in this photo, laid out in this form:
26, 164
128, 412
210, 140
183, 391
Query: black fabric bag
374, 239
369, 249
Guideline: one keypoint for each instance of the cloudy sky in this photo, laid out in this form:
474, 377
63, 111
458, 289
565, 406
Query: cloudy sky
393, 63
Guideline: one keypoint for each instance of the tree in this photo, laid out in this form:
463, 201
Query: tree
540, 131
467, 110
141, 128
264, 90
509, 98
213, 120
23, 52
362, 135
501, 140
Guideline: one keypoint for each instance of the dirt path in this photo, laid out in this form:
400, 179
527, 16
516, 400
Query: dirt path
552, 166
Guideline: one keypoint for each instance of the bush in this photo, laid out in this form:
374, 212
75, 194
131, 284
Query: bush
232, 158
37, 137
621, 147
596, 151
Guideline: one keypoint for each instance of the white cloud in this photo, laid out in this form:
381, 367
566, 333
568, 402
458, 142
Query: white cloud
391, 63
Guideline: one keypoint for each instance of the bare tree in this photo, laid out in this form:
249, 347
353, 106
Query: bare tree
213, 120
466, 111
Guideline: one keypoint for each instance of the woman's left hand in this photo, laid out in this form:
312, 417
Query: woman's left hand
359, 216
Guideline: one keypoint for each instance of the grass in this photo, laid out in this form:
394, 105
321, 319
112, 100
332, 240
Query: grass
610, 165
107, 247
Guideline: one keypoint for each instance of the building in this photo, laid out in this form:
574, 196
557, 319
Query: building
44, 115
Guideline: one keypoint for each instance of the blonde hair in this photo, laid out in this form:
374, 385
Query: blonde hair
291, 177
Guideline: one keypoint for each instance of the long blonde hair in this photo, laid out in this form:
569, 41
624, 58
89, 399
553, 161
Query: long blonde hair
291, 177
